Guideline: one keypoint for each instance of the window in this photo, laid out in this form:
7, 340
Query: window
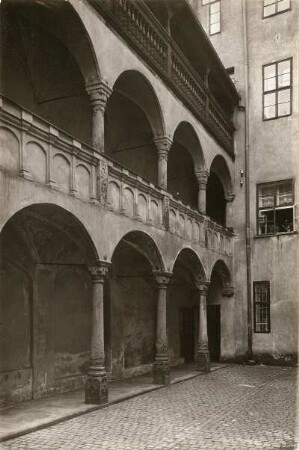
277, 83
214, 15
261, 299
272, 7
275, 207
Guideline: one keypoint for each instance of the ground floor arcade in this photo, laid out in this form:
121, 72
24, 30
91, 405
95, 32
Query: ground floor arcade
71, 320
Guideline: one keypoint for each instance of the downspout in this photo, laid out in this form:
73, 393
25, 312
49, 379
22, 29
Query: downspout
247, 182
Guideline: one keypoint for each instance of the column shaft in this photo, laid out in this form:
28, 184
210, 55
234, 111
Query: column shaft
203, 354
161, 363
163, 145
202, 180
96, 389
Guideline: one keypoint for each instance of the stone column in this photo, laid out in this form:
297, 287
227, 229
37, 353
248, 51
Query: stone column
163, 145
202, 180
96, 389
161, 363
99, 94
203, 354
229, 197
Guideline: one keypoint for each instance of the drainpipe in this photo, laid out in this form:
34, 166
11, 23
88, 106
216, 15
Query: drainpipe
247, 182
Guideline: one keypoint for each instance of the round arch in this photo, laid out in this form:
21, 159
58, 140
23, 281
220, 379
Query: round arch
190, 260
186, 136
135, 86
144, 245
220, 169
222, 272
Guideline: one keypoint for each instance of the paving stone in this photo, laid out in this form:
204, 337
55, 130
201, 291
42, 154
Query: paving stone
238, 407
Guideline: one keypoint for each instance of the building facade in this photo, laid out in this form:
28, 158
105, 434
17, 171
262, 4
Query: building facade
146, 220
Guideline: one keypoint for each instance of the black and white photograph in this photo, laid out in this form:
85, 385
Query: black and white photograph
149, 218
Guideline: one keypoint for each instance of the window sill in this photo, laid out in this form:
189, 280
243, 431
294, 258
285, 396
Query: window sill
286, 233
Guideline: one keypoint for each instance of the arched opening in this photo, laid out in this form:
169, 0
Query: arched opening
133, 305
132, 120
45, 298
218, 186
48, 64
216, 204
220, 311
185, 158
182, 308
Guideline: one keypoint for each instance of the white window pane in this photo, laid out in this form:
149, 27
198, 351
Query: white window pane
282, 5
269, 2
215, 7
284, 109
270, 99
215, 18
270, 84
284, 67
269, 10
284, 80
284, 96
215, 28
205, 2
270, 71
285, 193
269, 112
266, 196
266, 222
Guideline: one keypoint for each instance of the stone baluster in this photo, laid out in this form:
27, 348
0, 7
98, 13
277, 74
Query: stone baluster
202, 180
161, 363
99, 94
96, 389
163, 145
203, 354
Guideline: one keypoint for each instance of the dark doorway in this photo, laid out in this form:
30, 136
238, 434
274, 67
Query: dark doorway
187, 333
214, 331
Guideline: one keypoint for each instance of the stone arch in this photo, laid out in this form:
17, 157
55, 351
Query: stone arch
222, 272
190, 260
185, 161
39, 33
186, 135
134, 85
45, 295
146, 246
220, 168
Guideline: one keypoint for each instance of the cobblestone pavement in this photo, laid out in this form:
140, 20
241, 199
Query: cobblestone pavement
238, 407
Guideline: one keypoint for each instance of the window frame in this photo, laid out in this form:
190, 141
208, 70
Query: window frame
278, 89
275, 2
210, 15
257, 303
275, 207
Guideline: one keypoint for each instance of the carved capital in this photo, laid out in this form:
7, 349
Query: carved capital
162, 279
202, 179
163, 145
99, 94
229, 197
228, 291
202, 288
99, 271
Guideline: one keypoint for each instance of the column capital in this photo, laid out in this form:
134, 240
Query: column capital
99, 271
228, 291
163, 145
99, 94
162, 279
202, 178
229, 197
202, 287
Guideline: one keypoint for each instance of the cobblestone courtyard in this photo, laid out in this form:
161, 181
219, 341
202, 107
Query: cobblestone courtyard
237, 407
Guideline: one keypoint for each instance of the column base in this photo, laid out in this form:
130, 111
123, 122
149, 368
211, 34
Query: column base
161, 373
96, 390
203, 361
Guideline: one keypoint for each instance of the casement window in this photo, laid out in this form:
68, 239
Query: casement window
214, 15
261, 305
275, 207
272, 7
277, 89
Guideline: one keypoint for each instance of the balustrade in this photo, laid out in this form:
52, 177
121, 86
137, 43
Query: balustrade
57, 160
135, 22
